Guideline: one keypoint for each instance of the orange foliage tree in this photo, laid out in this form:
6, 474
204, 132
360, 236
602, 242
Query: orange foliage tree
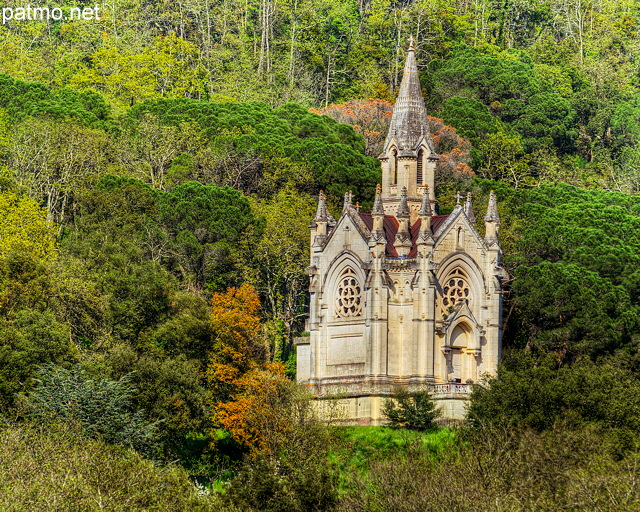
372, 117
258, 416
237, 348
369, 117
248, 394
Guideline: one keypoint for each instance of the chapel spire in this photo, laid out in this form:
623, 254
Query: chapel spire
425, 214
378, 209
403, 207
378, 237
322, 213
425, 205
468, 208
492, 221
408, 157
409, 119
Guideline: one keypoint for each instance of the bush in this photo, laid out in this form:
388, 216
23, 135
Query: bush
59, 469
504, 470
415, 410
101, 407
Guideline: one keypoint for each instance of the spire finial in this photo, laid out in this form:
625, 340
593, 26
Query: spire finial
412, 41
458, 198
425, 206
492, 209
322, 214
468, 208
403, 207
378, 209
348, 200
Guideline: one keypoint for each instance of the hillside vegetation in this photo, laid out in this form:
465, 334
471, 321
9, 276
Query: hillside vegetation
158, 172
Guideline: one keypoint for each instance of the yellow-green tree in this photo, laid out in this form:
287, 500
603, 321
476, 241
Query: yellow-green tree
24, 227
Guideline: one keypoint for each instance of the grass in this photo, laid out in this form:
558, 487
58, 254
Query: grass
355, 447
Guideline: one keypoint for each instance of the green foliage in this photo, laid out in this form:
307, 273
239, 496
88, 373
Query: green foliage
288, 470
412, 410
168, 389
24, 227
279, 257
102, 408
60, 466
572, 311
243, 135
354, 449
21, 99
574, 256
205, 224
471, 118
29, 340
541, 398
502, 469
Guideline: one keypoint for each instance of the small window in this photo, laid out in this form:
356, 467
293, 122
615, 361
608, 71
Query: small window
394, 167
419, 175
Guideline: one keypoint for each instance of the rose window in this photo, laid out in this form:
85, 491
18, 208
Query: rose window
348, 295
455, 289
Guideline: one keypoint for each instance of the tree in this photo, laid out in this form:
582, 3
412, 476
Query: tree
237, 348
60, 465
24, 228
280, 257
412, 410
103, 408
206, 226
29, 340
287, 444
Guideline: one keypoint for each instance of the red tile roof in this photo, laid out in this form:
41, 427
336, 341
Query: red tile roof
390, 226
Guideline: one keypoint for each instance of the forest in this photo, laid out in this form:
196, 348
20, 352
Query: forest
159, 168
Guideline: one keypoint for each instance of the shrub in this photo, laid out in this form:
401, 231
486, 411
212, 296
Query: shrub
58, 468
412, 410
101, 407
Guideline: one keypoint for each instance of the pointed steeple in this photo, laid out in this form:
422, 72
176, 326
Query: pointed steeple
492, 221
378, 209
425, 206
348, 200
322, 223
378, 237
492, 209
403, 207
425, 215
409, 119
322, 213
468, 208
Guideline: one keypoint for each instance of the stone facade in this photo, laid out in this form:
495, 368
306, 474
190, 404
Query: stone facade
402, 295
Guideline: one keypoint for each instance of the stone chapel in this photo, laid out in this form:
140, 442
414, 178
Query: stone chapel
402, 295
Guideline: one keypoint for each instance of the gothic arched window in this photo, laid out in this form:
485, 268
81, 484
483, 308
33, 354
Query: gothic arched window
455, 289
419, 166
348, 295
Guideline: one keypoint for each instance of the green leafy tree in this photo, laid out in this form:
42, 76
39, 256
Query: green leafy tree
206, 225
414, 410
29, 340
542, 398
